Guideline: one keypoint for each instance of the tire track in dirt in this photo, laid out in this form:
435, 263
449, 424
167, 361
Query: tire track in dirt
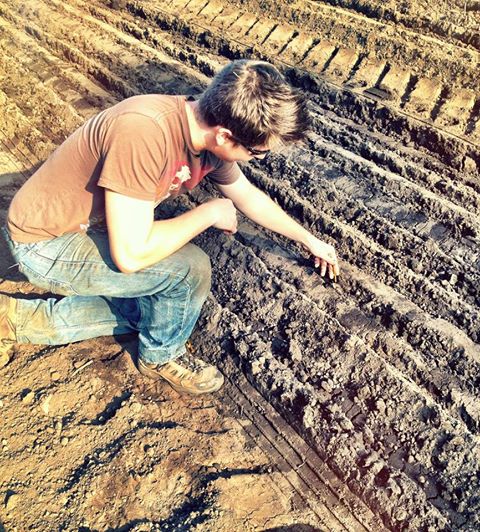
455, 109
292, 387
424, 20
211, 34
291, 384
402, 160
377, 373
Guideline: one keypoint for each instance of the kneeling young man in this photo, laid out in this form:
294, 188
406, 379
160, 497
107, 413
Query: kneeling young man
138, 274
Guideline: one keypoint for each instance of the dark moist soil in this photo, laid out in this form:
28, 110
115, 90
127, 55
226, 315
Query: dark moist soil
378, 372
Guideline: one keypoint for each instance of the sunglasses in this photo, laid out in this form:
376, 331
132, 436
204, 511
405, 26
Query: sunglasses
251, 151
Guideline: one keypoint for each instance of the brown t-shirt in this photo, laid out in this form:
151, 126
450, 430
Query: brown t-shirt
140, 147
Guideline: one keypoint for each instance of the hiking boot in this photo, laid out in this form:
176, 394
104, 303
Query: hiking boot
7, 328
185, 374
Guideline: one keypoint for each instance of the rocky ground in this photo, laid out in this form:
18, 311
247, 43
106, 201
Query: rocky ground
378, 374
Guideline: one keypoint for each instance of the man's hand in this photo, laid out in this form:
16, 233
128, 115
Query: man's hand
325, 256
226, 215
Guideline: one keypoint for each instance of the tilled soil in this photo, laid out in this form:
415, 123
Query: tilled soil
379, 372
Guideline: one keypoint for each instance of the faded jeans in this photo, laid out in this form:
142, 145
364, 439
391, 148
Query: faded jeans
162, 302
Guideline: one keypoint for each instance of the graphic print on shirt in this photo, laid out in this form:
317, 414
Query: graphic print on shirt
93, 220
185, 177
181, 176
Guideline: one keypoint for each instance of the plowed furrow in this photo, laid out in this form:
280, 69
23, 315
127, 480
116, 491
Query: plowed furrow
389, 154
424, 349
60, 46
358, 249
149, 69
261, 349
19, 133
464, 13
354, 196
69, 84
458, 220
370, 308
63, 118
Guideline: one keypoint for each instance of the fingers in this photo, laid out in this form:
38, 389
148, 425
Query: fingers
331, 272
336, 269
323, 267
333, 264
232, 230
325, 259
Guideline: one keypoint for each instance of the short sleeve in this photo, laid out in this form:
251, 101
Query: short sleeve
133, 156
224, 173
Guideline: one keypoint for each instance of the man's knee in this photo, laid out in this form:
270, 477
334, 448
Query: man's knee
198, 268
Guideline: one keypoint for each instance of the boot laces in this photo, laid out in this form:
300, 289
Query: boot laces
190, 362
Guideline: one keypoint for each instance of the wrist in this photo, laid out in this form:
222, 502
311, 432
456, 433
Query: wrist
209, 213
305, 238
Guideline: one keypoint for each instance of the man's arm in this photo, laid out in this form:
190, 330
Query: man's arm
137, 241
257, 206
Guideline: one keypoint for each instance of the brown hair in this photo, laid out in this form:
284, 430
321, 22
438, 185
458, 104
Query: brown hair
253, 100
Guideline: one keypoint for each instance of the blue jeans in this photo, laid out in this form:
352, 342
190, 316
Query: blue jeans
162, 302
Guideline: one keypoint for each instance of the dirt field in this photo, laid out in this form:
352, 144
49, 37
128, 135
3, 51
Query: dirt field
348, 406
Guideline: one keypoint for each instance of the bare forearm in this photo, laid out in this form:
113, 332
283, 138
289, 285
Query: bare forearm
166, 237
264, 211
137, 241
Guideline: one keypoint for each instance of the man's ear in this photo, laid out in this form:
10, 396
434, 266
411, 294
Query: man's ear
222, 135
